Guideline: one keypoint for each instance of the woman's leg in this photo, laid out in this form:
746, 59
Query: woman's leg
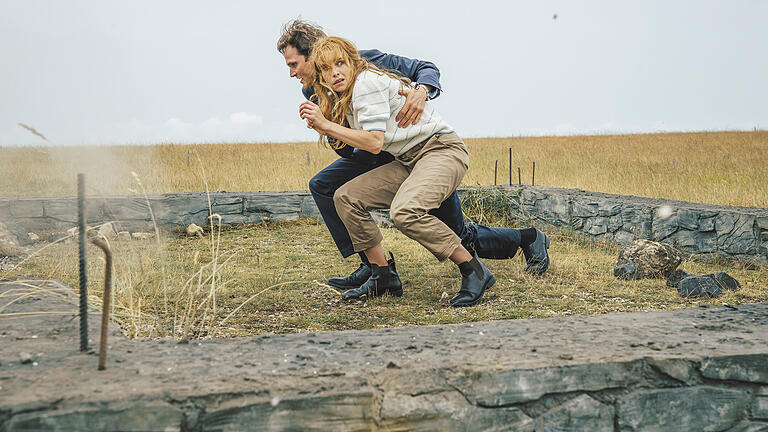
354, 200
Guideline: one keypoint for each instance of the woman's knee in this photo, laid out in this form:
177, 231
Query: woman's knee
403, 217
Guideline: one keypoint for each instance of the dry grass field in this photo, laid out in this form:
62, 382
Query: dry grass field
714, 167
270, 277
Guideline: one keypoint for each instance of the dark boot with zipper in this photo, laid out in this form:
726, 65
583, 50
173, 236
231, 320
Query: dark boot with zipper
383, 280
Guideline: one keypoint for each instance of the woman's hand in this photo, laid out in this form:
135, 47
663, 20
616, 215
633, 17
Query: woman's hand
310, 112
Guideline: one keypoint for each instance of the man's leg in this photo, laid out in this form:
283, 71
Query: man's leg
323, 186
487, 242
495, 243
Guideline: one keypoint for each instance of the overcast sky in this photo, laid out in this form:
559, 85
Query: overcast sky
142, 72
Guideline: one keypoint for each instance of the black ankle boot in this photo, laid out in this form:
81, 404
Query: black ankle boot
357, 278
383, 280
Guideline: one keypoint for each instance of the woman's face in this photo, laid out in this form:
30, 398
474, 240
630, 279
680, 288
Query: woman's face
336, 74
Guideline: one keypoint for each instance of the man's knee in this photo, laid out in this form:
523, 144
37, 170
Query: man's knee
317, 184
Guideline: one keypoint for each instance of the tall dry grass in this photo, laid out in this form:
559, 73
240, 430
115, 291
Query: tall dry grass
728, 168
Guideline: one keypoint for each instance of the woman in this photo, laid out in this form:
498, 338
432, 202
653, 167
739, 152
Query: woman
356, 105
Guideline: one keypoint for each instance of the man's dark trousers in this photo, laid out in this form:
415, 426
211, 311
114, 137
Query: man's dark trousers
488, 242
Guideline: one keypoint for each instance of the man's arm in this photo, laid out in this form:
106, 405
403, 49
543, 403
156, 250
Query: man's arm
425, 74
418, 71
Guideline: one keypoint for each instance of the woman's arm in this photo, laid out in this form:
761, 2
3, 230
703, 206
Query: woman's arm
371, 141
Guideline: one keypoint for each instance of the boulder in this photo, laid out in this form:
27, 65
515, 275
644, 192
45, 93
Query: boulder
698, 286
725, 281
646, 259
9, 244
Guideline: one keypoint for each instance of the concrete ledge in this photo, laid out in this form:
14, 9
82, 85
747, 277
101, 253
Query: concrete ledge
699, 229
703, 368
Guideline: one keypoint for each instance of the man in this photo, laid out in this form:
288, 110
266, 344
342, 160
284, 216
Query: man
295, 44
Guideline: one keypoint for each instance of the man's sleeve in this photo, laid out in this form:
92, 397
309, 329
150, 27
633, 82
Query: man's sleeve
418, 71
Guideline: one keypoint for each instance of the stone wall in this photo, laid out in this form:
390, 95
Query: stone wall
696, 369
701, 229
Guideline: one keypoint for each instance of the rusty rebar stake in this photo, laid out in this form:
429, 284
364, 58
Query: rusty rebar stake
106, 302
83, 275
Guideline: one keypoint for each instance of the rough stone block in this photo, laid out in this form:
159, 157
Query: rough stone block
762, 222
351, 411
750, 427
607, 208
308, 208
580, 414
139, 416
555, 210
701, 408
623, 237
27, 207
273, 203
230, 205
521, 385
707, 224
126, 209
688, 219
596, 225
614, 223
581, 209
65, 209
748, 367
445, 410
760, 407
664, 227
679, 369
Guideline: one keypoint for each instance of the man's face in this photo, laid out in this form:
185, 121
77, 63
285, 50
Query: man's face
297, 65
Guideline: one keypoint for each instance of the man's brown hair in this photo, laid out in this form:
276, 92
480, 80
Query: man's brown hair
300, 35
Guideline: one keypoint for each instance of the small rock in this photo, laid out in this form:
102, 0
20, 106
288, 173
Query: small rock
26, 358
674, 279
392, 365
652, 259
565, 357
33, 237
626, 271
444, 295
725, 281
123, 235
698, 286
142, 236
194, 229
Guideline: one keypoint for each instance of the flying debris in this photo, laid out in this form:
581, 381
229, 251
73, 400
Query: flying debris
554, 17
31, 129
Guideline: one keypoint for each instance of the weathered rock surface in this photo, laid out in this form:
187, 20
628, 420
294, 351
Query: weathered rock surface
9, 244
701, 408
698, 286
689, 369
731, 232
646, 259
709, 285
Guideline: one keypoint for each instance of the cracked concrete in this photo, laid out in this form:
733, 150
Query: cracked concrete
702, 368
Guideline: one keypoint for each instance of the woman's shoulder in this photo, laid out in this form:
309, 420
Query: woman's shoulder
370, 81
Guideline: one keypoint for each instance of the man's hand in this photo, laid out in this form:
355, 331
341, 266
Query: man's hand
415, 100
310, 112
